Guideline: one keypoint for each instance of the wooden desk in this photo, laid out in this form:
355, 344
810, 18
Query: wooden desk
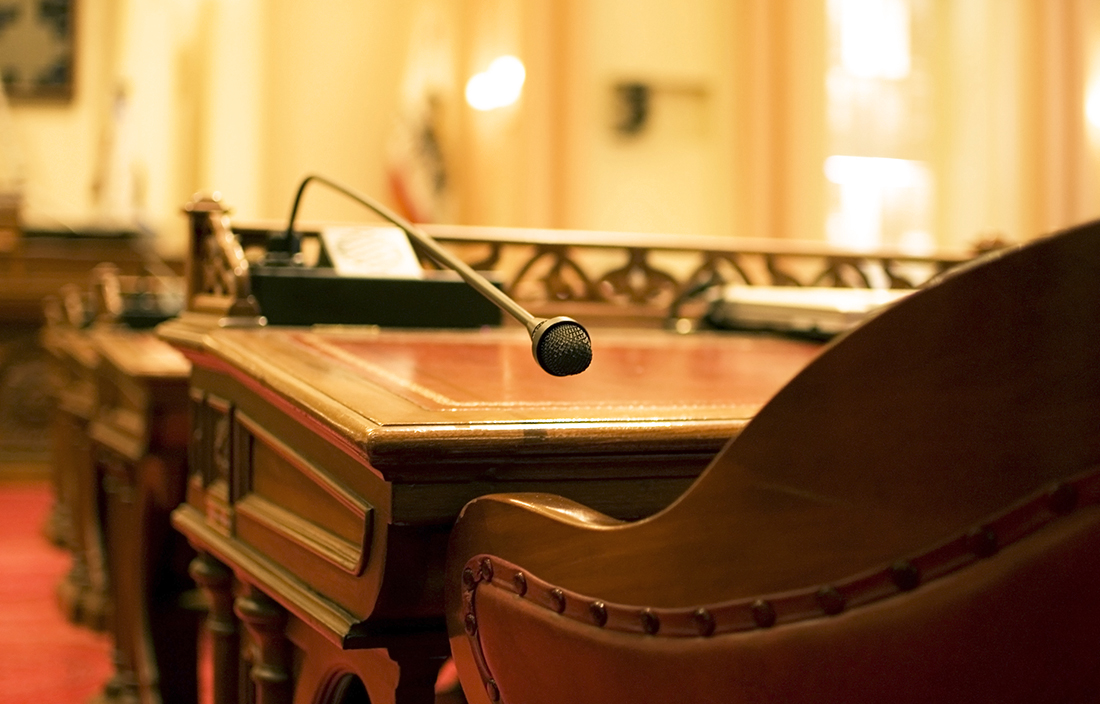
35, 263
328, 465
139, 437
105, 374
38, 262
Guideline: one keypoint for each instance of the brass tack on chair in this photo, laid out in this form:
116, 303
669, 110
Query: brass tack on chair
485, 570
830, 600
492, 690
905, 575
704, 621
763, 613
557, 600
982, 541
599, 612
1062, 499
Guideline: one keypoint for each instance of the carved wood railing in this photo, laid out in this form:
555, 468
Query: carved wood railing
652, 272
613, 275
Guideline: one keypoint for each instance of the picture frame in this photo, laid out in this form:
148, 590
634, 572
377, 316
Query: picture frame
37, 52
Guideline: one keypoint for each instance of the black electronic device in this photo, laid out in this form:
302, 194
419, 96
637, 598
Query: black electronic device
320, 296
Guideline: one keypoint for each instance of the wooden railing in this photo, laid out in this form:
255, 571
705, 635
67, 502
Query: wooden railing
636, 278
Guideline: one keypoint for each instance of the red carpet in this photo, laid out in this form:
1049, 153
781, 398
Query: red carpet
43, 658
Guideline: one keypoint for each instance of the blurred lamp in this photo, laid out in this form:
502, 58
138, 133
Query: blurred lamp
497, 86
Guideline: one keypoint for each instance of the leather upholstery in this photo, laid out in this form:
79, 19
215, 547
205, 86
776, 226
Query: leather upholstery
1017, 628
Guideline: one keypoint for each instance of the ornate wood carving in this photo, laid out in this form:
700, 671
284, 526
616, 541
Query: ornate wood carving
654, 269
217, 274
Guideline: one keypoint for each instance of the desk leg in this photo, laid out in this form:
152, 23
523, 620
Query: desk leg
95, 604
419, 670
119, 526
266, 623
220, 631
83, 592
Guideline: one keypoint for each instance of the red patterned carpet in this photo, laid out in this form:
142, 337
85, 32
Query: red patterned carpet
43, 658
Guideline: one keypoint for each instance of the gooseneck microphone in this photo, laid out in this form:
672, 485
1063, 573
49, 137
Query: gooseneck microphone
560, 345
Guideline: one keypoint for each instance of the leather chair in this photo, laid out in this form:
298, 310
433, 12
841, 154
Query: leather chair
914, 518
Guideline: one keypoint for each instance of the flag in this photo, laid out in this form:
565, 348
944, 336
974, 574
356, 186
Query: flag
415, 164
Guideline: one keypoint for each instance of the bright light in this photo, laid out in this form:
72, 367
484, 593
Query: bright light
873, 170
866, 184
1092, 106
874, 38
497, 86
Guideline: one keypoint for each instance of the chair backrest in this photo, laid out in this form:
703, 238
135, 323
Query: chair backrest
913, 517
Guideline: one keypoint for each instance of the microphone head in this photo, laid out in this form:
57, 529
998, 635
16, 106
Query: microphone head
561, 346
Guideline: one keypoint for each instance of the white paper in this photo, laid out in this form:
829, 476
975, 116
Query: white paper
383, 252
